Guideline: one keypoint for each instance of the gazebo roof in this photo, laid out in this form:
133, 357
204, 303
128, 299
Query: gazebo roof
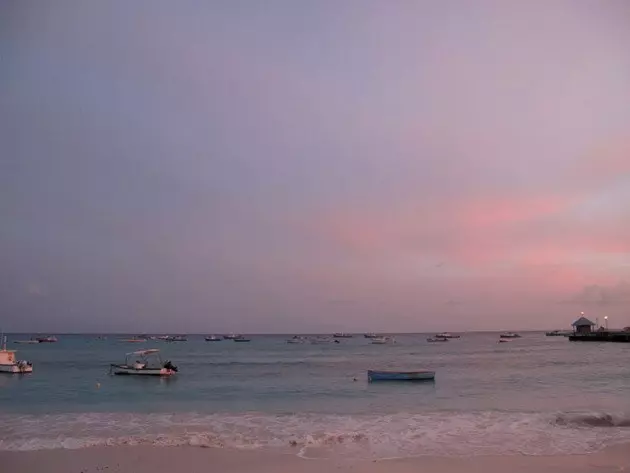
582, 322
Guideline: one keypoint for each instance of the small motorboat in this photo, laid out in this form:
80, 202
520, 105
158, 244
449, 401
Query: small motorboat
437, 339
509, 335
382, 340
447, 335
241, 339
370, 335
342, 335
296, 339
395, 375
213, 338
47, 339
178, 338
231, 336
504, 340
8, 363
144, 363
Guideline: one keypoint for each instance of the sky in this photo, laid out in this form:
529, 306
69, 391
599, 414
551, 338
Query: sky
313, 166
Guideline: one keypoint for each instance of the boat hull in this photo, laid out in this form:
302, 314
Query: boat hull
375, 375
16, 368
128, 370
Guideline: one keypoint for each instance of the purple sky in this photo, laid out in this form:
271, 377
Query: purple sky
289, 166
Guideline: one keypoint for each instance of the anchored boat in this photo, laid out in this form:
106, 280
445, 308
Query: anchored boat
144, 363
213, 338
395, 375
8, 363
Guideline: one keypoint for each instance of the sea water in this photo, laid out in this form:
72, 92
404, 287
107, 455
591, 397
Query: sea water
535, 395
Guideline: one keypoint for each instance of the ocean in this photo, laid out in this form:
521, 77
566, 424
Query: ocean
536, 396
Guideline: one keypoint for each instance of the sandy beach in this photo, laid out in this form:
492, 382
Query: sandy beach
145, 459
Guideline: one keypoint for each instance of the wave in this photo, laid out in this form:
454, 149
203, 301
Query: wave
318, 436
593, 420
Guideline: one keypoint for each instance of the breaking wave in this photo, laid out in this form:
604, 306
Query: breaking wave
318, 436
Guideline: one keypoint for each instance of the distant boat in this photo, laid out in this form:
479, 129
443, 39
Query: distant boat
447, 335
395, 375
382, 340
370, 335
437, 339
558, 333
504, 340
177, 338
213, 338
47, 339
342, 335
296, 339
509, 335
231, 336
32, 341
241, 339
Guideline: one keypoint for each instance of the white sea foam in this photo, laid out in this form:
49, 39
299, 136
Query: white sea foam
310, 435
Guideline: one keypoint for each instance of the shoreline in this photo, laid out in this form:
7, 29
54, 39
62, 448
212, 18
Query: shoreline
154, 459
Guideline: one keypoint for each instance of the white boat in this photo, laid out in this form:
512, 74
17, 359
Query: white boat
144, 363
342, 335
509, 335
8, 363
382, 340
296, 339
370, 335
231, 336
213, 338
446, 335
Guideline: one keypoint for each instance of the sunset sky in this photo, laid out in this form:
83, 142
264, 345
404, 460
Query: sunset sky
313, 166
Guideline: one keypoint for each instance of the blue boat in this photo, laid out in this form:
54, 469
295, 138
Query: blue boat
392, 375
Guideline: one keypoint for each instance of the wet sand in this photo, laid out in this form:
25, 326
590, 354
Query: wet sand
148, 459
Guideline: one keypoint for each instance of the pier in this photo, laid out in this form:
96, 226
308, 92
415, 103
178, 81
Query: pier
583, 332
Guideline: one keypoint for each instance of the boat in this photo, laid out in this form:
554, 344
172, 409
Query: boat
342, 335
447, 335
241, 339
437, 339
558, 333
296, 339
509, 335
32, 341
213, 338
47, 339
144, 363
395, 375
504, 340
231, 336
8, 363
382, 340
370, 335
177, 338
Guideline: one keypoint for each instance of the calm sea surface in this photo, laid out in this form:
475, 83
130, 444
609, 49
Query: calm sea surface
535, 395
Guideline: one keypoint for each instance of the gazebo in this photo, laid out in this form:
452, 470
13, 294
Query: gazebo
583, 325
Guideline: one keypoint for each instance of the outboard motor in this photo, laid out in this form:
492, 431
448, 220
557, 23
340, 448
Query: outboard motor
170, 366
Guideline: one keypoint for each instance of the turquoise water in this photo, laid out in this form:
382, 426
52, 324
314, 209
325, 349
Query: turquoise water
535, 395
